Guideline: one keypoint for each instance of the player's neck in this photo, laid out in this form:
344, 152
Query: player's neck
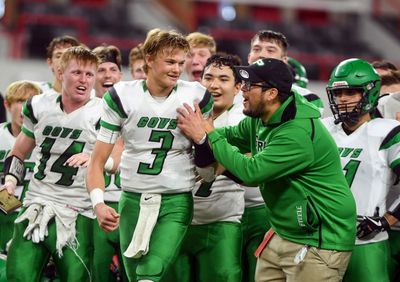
157, 90
15, 129
68, 106
57, 85
219, 111
351, 127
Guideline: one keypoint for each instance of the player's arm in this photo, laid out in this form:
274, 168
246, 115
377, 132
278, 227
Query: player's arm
370, 226
107, 217
14, 169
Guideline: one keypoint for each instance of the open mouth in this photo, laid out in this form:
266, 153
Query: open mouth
108, 84
196, 74
81, 89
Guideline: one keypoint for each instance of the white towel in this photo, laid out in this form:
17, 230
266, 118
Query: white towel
65, 219
149, 210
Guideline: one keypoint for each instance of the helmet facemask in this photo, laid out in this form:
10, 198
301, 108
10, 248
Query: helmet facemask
348, 113
357, 75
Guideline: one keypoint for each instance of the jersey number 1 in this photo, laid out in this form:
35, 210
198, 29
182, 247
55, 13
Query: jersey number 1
351, 170
67, 172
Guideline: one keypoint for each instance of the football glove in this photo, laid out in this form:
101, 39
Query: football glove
370, 226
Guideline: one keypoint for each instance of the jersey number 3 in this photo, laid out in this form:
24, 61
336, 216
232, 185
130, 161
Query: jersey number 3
166, 138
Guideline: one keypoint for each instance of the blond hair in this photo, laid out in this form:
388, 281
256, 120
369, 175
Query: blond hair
158, 40
198, 39
78, 53
20, 91
135, 54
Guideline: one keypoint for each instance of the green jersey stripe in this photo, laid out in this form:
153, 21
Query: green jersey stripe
206, 103
27, 132
109, 126
392, 138
113, 101
395, 163
28, 111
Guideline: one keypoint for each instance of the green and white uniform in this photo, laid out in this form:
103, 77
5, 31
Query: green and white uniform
157, 159
310, 97
7, 141
58, 136
106, 244
211, 250
296, 163
369, 155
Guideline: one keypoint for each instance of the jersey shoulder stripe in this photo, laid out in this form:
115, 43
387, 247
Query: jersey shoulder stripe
206, 104
110, 126
27, 132
114, 102
27, 111
392, 138
311, 97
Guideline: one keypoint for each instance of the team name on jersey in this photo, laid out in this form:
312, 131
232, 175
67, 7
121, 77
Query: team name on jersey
159, 122
63, 132
352, 152
260, 144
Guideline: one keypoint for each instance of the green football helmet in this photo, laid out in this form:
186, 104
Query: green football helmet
299, 72
353, 74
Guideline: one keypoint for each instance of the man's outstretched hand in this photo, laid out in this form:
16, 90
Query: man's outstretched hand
192, 123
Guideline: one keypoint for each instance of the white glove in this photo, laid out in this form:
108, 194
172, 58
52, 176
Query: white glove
47, 215
10, 183
31, 214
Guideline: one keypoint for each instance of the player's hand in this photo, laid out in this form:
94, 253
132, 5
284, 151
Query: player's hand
107, 217
77, 160
9, 186
370, 226
192, 123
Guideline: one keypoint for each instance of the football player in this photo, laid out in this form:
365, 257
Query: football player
106, 244
57, 216
157, 173
202, 46
218, 201
370, 155
16, 94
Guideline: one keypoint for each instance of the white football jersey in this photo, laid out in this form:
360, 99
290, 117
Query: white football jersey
157, 157
112, 183
7, 141
223, 199
368, 156
58, 136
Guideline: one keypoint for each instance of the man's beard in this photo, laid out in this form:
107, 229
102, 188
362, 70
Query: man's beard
255, 113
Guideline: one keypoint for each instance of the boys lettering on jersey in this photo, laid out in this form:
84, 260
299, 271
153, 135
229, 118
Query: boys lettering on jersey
159, 122
353, 152
63, 132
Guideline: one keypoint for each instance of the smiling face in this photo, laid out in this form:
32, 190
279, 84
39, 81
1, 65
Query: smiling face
220, 82
78, 79
165, 68
107, 75
195, 62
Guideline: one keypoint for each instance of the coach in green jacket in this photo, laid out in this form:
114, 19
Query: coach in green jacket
296, 163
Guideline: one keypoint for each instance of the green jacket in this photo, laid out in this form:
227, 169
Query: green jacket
296, 163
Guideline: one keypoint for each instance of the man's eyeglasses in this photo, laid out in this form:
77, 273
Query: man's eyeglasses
247, 85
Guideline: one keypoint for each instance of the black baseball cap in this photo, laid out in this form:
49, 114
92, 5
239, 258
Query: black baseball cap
272, 72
